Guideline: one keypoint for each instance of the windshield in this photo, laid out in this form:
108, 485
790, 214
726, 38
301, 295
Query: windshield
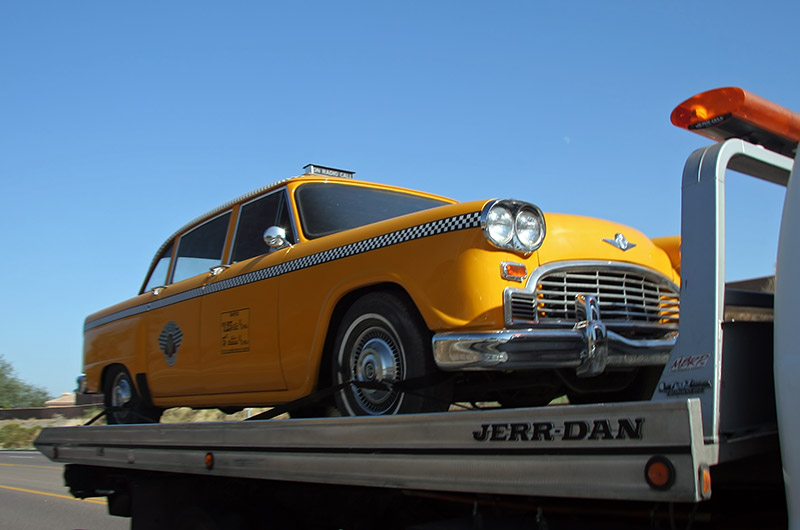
326, 208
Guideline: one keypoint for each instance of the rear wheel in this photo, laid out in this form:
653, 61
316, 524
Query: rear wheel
123, 404
382, 339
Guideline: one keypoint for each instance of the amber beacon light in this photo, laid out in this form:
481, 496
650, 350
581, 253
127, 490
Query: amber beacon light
731, 112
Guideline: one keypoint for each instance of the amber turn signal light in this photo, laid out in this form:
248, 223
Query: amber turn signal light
705, 482
513, 271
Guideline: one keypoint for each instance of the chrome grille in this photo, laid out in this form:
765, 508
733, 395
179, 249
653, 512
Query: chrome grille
624, 295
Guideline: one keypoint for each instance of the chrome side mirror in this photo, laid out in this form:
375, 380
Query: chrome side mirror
275, 237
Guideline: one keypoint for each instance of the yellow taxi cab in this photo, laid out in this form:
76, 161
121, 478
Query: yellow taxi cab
323, 280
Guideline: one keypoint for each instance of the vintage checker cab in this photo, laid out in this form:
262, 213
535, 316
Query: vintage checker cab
323, 280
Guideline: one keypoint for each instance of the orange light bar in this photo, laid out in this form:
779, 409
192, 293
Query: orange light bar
731, 112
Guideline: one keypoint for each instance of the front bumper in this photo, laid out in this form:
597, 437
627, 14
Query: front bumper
82, 385
588, 347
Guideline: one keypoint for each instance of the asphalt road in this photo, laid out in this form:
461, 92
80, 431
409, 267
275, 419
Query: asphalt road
33, 497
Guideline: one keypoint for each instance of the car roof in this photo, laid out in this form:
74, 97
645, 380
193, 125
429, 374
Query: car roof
306, 177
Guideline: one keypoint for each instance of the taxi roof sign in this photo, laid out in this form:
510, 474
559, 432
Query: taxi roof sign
314, 169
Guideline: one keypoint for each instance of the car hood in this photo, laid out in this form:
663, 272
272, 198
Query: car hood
573, 237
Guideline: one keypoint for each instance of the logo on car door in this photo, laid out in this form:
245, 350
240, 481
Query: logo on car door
169, 341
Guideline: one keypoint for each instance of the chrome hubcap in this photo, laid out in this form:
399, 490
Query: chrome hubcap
377, 356
376, 362
122, 392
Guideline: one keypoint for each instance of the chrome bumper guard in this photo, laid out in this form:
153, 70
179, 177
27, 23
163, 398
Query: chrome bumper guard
589, 347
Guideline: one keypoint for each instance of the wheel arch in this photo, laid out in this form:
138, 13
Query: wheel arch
108, 369
139, 381
341, 307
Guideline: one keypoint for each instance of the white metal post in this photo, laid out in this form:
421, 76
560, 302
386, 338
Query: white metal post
695, 365
787, 348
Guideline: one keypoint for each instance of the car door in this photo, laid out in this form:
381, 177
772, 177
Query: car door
172, 326
239, 313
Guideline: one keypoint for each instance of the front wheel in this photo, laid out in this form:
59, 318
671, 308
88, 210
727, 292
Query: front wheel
382, 339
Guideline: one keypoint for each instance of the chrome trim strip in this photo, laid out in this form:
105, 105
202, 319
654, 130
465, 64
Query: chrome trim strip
441, 226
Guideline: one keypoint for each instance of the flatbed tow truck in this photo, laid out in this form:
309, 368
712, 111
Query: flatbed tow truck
720, 419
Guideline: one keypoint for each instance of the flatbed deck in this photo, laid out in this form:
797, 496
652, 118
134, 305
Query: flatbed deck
589, 451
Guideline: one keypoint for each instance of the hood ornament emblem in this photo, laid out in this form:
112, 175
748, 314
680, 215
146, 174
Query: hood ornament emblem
620, 242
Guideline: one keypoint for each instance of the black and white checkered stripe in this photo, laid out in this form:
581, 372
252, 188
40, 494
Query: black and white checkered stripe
449, 224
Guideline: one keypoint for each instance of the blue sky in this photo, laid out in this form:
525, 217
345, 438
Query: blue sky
121, 121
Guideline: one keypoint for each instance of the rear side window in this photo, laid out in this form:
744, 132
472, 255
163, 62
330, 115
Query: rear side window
201, 249
254, 218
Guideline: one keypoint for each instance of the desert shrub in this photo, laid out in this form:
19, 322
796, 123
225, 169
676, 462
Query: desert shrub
13, 436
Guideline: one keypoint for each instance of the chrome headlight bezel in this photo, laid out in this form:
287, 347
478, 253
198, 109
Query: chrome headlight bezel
494, 220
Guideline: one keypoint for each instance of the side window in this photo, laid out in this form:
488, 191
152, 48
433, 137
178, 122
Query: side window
201, 249
254, 218
159, 275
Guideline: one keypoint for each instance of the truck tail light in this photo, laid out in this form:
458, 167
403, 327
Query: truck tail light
659, 473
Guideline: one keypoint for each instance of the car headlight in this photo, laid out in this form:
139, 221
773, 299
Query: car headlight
513, 225
499, 225
529, 227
